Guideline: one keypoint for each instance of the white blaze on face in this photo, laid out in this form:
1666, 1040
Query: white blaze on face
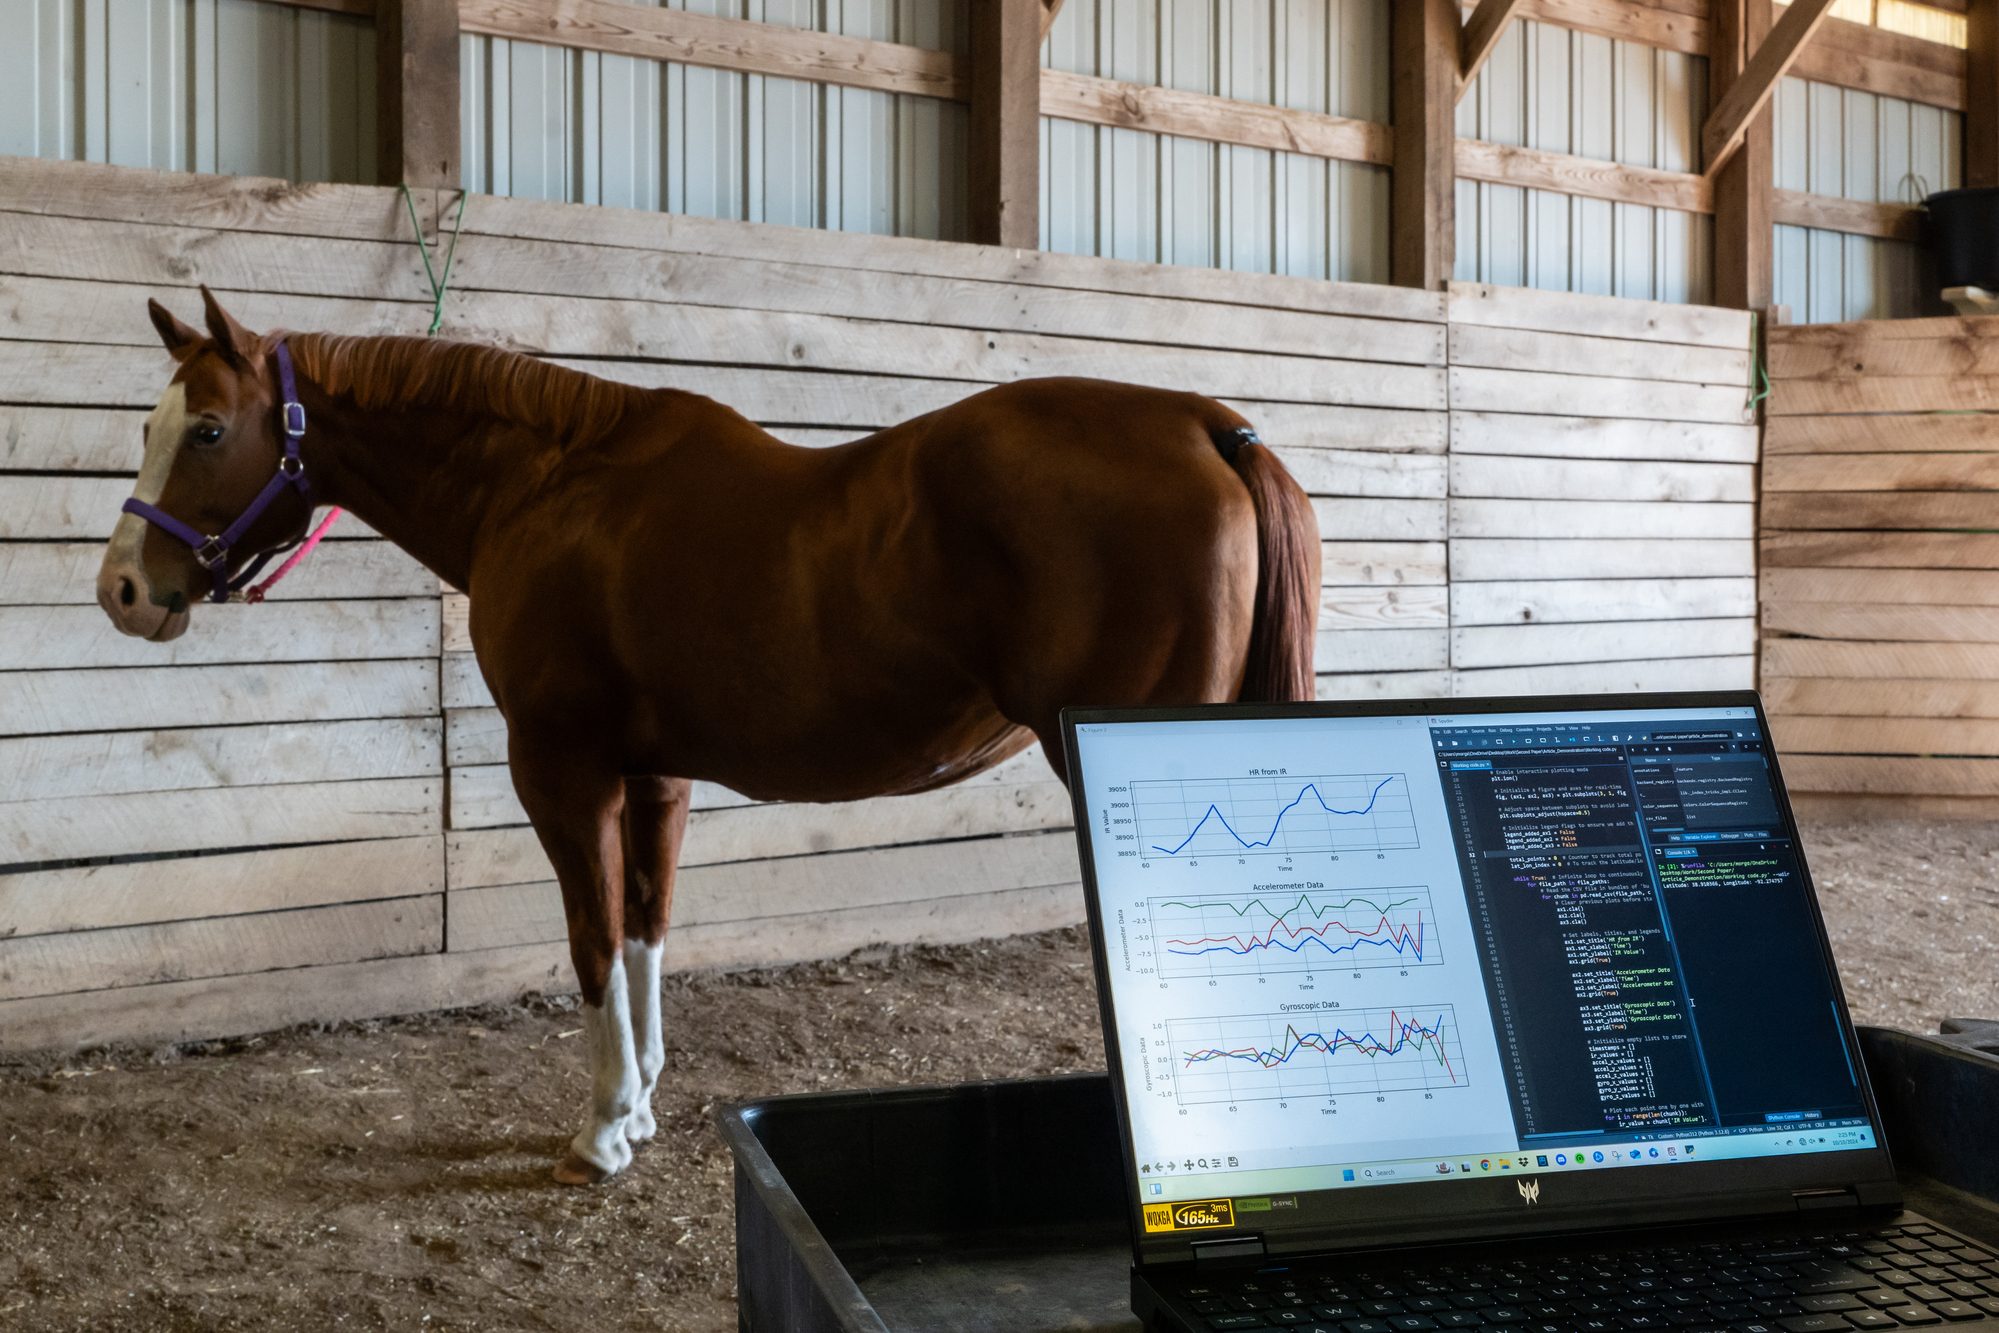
165, 429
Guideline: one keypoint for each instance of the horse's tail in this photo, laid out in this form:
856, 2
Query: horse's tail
1282, 634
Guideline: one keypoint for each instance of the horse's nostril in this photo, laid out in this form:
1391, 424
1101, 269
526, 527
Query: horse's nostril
128, 592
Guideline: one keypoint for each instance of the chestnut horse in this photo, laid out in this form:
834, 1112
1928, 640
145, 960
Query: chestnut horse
662, 592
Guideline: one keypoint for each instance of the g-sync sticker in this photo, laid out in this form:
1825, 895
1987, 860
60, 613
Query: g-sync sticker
1197, 1215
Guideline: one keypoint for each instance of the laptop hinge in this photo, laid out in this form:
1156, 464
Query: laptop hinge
1232, 1247
1815, 1201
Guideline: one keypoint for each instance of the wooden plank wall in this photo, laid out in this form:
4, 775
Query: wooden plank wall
302, 811
263, 793
350, 713
1602, 486
1880, 552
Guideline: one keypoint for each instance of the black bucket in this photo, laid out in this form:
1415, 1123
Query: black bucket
1964, 237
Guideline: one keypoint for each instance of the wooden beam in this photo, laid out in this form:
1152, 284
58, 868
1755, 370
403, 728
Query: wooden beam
717, 43
1981, 95
1005, 140
1049, 10
1750, 93
416, 92
1894, 222
1669, 26
1481, 35
1134, 106
1586, 177
357, 8
1744, 248
1896, 48
1890, 64
1423, 195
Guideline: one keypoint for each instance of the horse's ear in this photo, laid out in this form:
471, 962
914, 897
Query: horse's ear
181, 338
235, 342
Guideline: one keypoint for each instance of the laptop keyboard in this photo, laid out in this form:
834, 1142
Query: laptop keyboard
1912, 1276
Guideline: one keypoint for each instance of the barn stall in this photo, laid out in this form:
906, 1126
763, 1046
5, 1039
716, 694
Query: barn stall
1501, 287
1600, 529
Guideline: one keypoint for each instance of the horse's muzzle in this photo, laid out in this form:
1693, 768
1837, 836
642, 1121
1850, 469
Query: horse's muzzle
123, 592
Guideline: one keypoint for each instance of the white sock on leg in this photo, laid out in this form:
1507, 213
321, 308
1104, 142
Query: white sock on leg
642, 963
614, 1077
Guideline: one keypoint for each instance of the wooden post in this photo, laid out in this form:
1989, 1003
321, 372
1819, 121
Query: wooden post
1981, 95
1423, 196
1005, 167
416, 92
1743, 240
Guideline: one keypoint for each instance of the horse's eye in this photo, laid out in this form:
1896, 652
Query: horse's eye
208, 433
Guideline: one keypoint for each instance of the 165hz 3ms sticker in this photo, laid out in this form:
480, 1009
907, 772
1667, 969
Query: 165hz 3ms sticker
1197, 1215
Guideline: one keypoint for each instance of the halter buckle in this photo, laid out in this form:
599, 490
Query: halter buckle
294, 419
211, 553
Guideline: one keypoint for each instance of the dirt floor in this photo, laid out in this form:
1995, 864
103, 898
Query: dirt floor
395, 1174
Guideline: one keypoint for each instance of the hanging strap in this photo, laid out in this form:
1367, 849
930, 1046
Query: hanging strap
438, 283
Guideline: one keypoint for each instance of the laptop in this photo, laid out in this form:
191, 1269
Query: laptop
1513, 1013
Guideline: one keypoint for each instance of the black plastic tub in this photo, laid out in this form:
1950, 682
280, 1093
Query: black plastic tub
1964, 237
989, 1206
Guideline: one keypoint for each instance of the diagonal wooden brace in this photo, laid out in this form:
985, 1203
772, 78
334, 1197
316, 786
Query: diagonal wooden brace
1722, 134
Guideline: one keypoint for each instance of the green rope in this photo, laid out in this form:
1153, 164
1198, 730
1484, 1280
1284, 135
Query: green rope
438, 285
1761, 392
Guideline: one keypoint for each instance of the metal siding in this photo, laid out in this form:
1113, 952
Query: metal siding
1549, 216
1593, 127
1358, 216
1189, 182
1502, 117
1068, 150
1302, 187
207, 85
930, 198
1136, 195
1549, 88
591, 128
1857, 145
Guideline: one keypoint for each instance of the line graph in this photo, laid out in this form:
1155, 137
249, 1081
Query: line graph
1276, 816
1268, 1057
1217, 935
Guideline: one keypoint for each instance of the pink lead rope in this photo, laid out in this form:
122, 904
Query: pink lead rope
252, 595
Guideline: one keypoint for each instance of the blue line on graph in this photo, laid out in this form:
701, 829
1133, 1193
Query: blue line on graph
1313, 787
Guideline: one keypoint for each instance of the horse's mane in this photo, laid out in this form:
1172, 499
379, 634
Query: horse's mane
391, 372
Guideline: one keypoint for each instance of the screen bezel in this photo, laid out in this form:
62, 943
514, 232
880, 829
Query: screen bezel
1486, 1207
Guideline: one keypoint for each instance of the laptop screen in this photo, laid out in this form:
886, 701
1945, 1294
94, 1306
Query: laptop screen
1354, 951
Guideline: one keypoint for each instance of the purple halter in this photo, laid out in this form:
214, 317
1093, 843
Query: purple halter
211, 552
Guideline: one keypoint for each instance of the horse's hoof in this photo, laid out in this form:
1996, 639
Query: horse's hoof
640, 1126
573, 1170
